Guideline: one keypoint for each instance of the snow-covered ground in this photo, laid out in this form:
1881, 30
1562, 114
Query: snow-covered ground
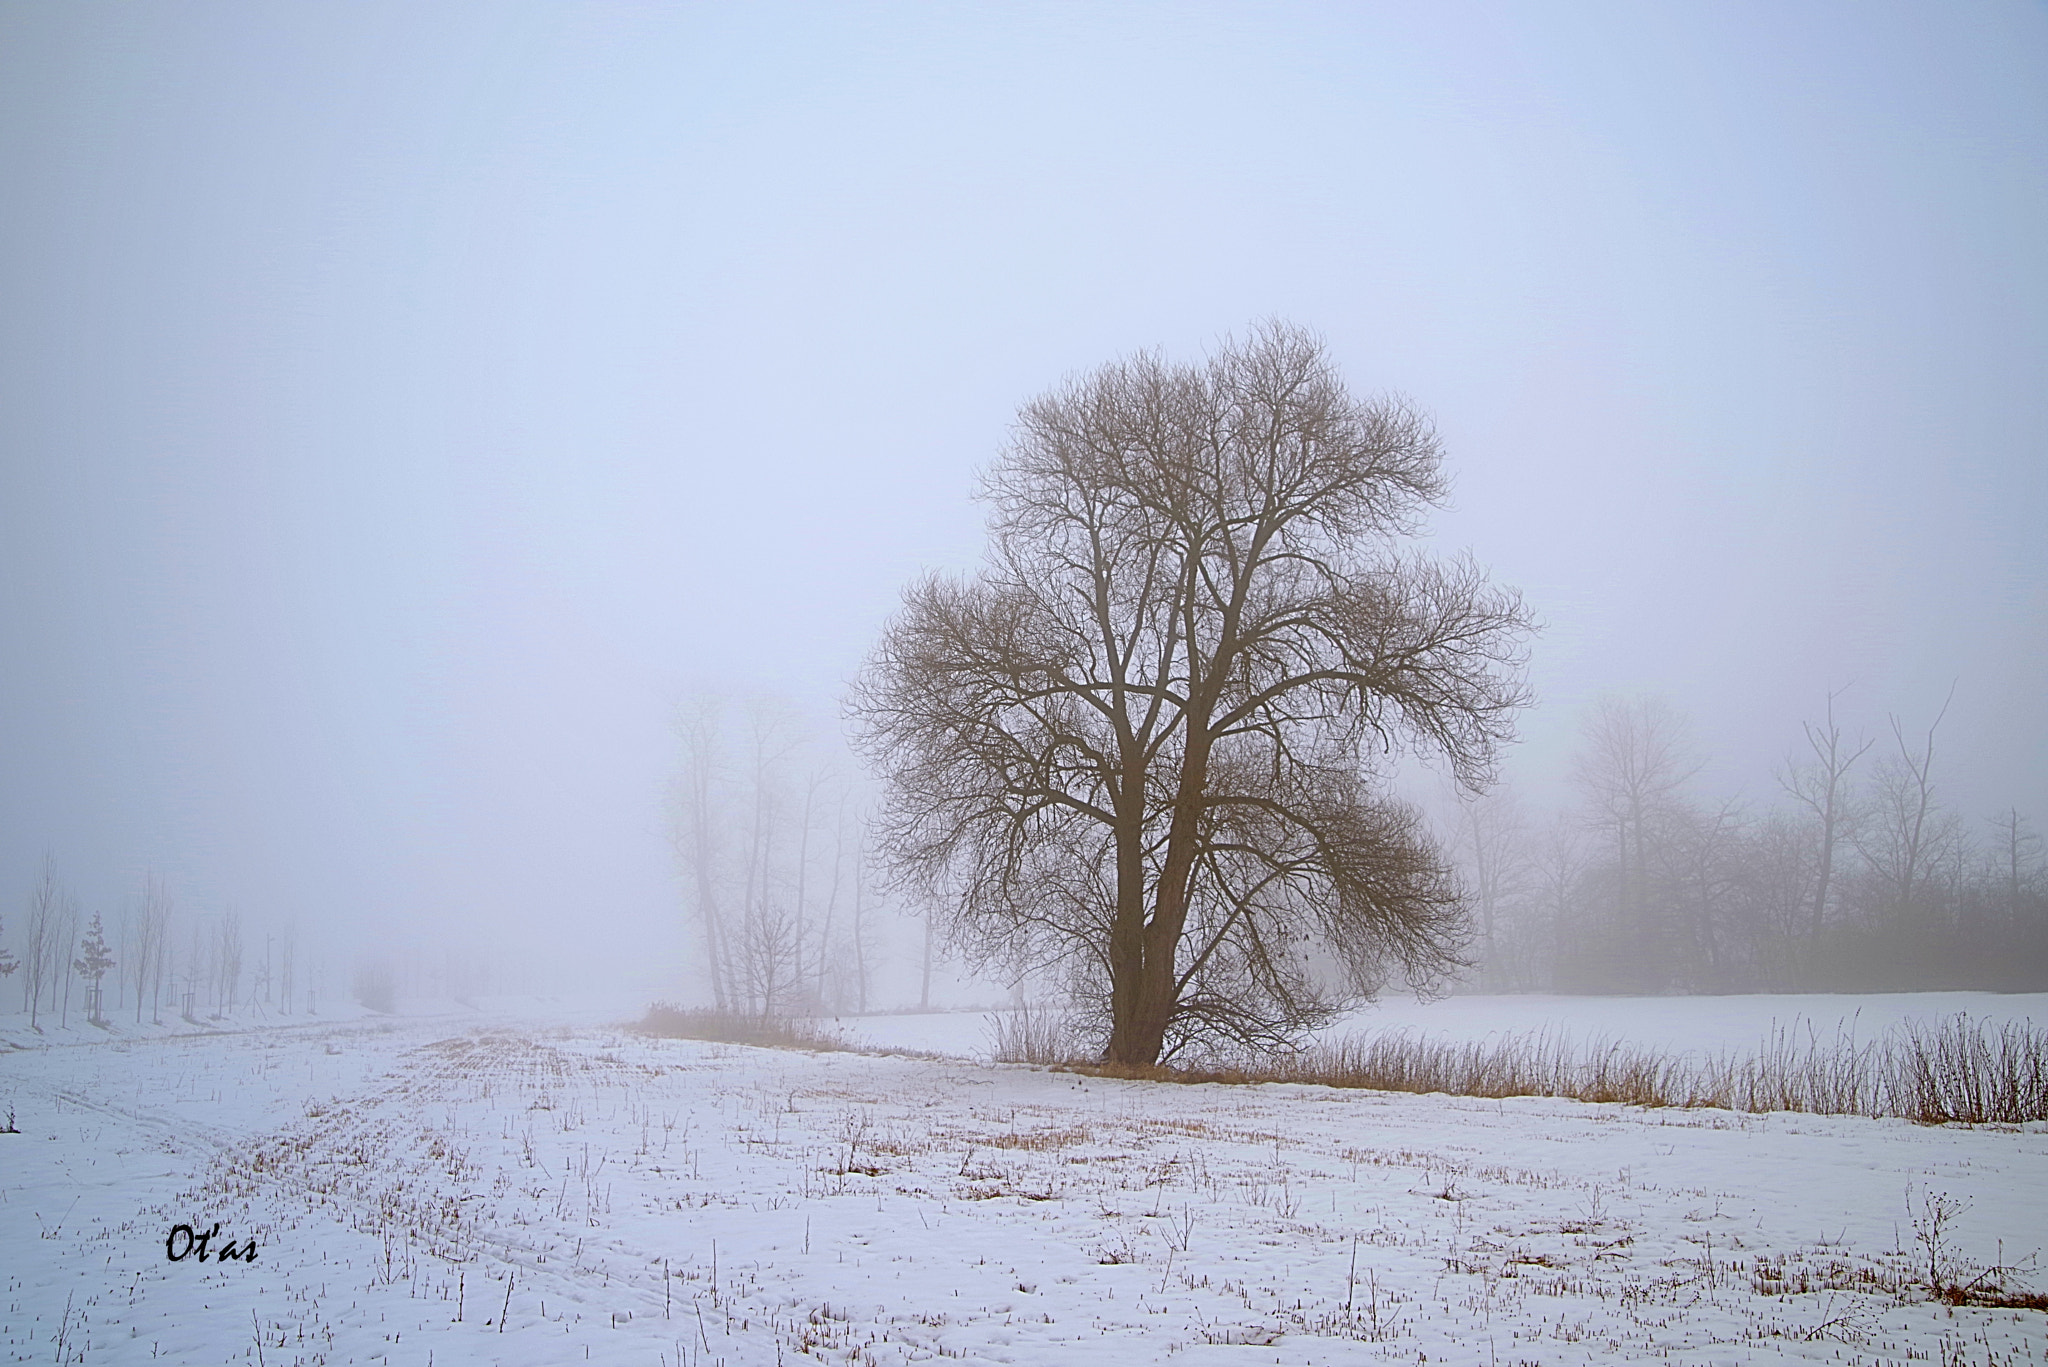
462, 1189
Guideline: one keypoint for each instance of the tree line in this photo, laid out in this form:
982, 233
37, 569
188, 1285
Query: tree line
1855, 874
215, 968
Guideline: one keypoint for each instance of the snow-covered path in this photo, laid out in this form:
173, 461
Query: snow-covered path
425, 1193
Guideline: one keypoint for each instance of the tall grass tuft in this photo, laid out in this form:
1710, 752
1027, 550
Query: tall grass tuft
1032, 1034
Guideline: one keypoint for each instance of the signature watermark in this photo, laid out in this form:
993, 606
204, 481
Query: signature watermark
183, 1242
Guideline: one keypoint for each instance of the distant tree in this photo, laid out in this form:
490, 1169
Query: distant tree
61, 949
771, 949
260, 989
845, 818
2015, 858
924, 977
1144, 742
761, 827
769, 958
699, 838
1820, 784
1704, 866
1492, 840
1559, 869
857, 945
193, 974
1633, 764
47, 909
8, 963
92, 964
152, 945
1774, 881
227, 960
287, 955
1909, 836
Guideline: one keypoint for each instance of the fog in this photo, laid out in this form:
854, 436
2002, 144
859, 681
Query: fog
405, 410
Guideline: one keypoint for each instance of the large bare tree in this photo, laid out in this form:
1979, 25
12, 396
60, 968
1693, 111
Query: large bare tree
1146, 741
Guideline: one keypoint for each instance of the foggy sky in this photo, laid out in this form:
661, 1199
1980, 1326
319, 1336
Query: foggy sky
401, 406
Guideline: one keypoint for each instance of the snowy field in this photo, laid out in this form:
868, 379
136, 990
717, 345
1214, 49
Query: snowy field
450, 1190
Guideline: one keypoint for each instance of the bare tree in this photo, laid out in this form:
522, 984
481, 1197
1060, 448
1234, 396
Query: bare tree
1775, 883
2015, 856
1820, 785
924, 978
192, 975
1492, 839
232, 949
40, 951
1908, 836
1558, 871
858, 942
815, 782
1141, 742
749, 841
286, 954
1705, 872
771, 898
152, 940
697, 838
820, 988
61, 949
228, 961
260, 990
1633, 763
844, 814
770, 945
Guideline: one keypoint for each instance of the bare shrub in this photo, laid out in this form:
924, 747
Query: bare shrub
668, 1021
1032, 1033
1964, 1070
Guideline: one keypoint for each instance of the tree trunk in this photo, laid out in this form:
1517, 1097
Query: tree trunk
1156, 989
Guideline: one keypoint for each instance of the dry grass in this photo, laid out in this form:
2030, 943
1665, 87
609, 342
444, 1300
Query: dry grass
1958, 1070
721, 1027
1032, 1034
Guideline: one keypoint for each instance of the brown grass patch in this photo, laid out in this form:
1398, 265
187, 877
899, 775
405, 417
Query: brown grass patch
723, 1027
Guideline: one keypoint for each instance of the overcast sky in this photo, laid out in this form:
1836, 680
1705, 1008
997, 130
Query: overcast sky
401, 405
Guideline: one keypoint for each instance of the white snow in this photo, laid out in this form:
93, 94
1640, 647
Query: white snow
411, 1183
